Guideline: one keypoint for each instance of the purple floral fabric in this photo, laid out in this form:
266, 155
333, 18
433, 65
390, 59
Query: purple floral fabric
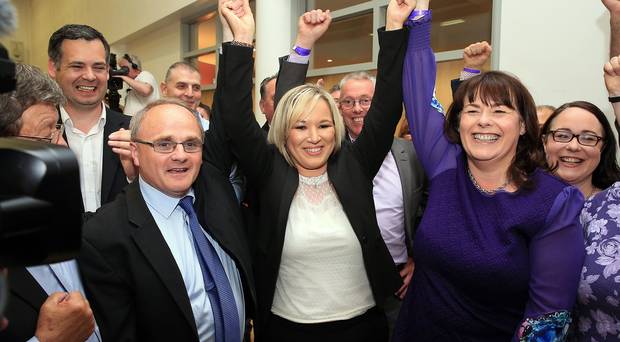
598, 301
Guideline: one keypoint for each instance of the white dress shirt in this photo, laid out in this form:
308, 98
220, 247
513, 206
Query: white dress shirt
174, 226
88, 149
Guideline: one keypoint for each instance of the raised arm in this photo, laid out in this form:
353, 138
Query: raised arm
376, 137
424, 113
247, 139
474, 57
614, 22
612, 82
310, 27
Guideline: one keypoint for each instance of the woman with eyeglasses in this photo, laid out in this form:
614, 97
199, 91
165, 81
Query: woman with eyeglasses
581, 148
499, 249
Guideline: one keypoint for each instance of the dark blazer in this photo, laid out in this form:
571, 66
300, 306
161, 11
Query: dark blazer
113, 178
350, 170
413, 182
130, 276
132, 280
22, 311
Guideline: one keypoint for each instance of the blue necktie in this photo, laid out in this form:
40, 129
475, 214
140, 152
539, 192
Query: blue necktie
223, 306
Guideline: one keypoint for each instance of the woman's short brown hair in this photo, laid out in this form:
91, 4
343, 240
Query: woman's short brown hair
499, 88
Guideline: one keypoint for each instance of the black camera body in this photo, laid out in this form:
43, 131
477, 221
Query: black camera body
115, 84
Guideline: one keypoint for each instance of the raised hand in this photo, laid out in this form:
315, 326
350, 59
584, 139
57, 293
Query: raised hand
240, 20
476, 54
397, 13
65, 317
612, 76
237, 8
120, 142
311, 26
613, 6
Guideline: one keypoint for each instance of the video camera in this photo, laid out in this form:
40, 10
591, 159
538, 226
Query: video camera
115, 84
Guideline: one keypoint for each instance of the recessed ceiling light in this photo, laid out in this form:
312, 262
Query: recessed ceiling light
330, 60
451, 22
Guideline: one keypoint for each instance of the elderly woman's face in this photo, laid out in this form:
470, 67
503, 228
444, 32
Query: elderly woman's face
575, 161
39, 122
311, 141
490, 133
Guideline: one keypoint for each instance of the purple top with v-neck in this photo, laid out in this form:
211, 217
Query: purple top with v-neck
483, 263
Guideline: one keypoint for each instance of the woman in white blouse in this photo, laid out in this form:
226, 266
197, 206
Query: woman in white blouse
322, 269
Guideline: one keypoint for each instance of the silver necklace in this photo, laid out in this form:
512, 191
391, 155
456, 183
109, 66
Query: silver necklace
483, 190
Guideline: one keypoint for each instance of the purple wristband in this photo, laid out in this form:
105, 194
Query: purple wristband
416, 13
301, 51
473, 71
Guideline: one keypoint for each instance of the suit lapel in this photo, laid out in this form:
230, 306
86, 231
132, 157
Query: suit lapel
151, 242
24, 286
110, 161
403, 165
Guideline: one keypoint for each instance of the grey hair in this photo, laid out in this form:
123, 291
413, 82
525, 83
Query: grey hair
181, 64
137, 119
358, 76
33, 87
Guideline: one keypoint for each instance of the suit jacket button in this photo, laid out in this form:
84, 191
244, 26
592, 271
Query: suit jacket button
363, 239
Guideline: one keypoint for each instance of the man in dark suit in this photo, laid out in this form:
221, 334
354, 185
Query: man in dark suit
144, 265
78, 61
398, 186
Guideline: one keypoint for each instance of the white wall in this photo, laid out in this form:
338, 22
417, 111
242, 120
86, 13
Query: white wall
557, 48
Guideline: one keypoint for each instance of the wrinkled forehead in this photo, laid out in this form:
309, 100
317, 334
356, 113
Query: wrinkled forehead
172, 120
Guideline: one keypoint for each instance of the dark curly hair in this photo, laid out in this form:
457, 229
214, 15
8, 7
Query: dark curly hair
499, 88
607, 171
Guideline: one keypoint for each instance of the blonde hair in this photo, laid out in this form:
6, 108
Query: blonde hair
297, 104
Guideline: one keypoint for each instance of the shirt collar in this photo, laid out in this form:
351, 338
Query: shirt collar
159, 201
66, 119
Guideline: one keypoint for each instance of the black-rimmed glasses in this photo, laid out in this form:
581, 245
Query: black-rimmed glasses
167, 146
585, 139
53, 138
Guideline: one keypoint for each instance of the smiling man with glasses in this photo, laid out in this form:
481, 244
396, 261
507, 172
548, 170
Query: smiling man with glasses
172, 242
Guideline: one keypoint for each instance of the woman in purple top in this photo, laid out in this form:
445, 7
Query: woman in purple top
499, 250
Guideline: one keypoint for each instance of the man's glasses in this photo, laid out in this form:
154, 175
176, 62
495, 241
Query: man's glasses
53, 138
349, 103
585, 139
167, 146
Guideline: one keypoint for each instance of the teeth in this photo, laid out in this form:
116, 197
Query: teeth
358, 119
178, 170
570, 160
313, 150
89, 88
486, 137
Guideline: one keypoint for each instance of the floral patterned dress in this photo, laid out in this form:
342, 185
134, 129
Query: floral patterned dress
598, 300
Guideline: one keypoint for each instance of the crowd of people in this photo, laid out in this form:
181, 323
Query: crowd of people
493, 219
